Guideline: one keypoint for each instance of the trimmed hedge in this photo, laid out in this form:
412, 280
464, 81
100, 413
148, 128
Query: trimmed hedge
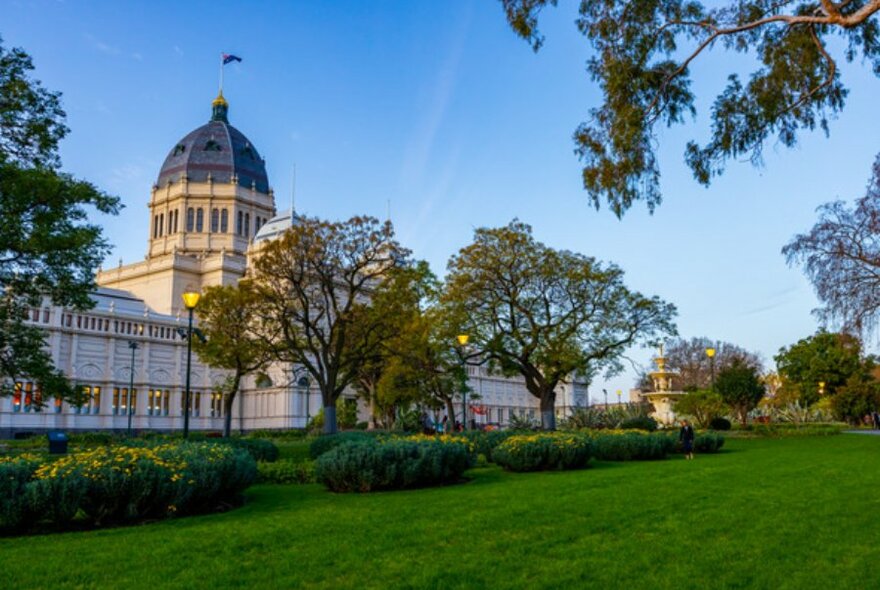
258, 448
543, 451
112, 485
392, 464
484, 443
708, 442
286, 472
639, 423
719, 424
633, 447
328, 442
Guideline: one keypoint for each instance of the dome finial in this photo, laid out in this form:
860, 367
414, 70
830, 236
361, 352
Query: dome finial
219, 108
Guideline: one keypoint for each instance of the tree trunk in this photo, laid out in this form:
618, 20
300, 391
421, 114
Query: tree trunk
450, 414
548, 410
227, 406
329, 418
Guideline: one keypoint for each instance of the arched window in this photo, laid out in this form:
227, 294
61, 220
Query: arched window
240, 224
170, 222
161, 223
200, 220
247, 224
176, 213
215, 220
224, 221
190, 218
155, 226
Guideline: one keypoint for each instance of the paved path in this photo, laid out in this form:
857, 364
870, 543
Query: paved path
871, 432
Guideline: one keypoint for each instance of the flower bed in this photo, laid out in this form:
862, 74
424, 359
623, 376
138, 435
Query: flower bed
537, 452
394, 463
110, 485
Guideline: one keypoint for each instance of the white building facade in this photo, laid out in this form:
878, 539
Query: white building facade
211, 202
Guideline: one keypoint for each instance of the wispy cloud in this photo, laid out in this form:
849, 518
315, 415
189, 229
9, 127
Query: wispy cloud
137, 56
101, 45
178, 50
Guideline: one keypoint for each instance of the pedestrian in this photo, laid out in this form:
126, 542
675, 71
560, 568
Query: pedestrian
442, 427
876, 417
686, 436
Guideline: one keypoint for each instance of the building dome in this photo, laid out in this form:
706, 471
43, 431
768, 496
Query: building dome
217, 149
276, 226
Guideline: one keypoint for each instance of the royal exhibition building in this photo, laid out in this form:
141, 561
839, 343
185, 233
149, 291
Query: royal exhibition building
209, 210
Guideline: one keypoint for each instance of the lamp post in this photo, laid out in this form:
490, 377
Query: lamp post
710, 352
619, 393
821, 388
190, 300
133, 346
605, 391
462, 342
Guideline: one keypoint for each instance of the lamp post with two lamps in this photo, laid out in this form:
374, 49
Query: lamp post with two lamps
619, 393
128, 405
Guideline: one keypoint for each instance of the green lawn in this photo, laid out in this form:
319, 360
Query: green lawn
786, 513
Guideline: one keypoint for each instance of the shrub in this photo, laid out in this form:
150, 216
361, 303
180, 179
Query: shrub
327, 442
632, 446
484, 443
719, 424
537, 452
286, 472
709, 442
118, 484
393, 464
295, 434
16, 510
93, 438
639, 423
260, 449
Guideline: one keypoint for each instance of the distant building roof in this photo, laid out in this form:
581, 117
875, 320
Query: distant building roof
276, 226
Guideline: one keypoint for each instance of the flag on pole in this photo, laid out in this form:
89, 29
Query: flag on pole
229, 58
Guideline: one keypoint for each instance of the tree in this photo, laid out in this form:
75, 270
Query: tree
313, 282
396, 302
825, 357
857, 399
229, 317
688, 358
739, 385
642, 53
548, 315
47, 246
841, 257
703, 405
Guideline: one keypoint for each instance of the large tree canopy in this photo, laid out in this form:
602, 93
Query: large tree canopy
688, 358
313, 283
841, 256
642, 53
546, 314
827, 358
47, 245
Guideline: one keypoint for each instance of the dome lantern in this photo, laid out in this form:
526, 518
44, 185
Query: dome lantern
219, 109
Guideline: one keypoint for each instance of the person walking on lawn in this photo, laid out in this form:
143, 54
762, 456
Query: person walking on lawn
686, 436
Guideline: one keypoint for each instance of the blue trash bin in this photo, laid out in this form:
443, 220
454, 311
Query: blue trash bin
57, 442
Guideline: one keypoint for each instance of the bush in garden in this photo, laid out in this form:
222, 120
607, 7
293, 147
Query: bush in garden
108, 485
260, 449
393, 464
708, 442
537, 452
16, 510
327, 442
286, 472
485, 442
93, 438
298, 433
633, 447
719, 424
639, 423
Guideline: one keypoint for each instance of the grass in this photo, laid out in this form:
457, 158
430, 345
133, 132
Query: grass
785, 513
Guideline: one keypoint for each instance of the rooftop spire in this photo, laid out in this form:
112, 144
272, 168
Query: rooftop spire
219, 109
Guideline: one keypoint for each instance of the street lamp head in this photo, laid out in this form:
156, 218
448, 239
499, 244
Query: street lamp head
710, 352
462, 339
619, 393
191, 299
821, 387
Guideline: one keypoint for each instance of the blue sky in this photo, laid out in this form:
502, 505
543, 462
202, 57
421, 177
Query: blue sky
440, 109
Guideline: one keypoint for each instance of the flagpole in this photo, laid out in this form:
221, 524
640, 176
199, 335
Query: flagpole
221, 72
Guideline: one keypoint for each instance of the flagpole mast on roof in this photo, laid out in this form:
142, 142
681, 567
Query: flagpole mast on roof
221, 72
